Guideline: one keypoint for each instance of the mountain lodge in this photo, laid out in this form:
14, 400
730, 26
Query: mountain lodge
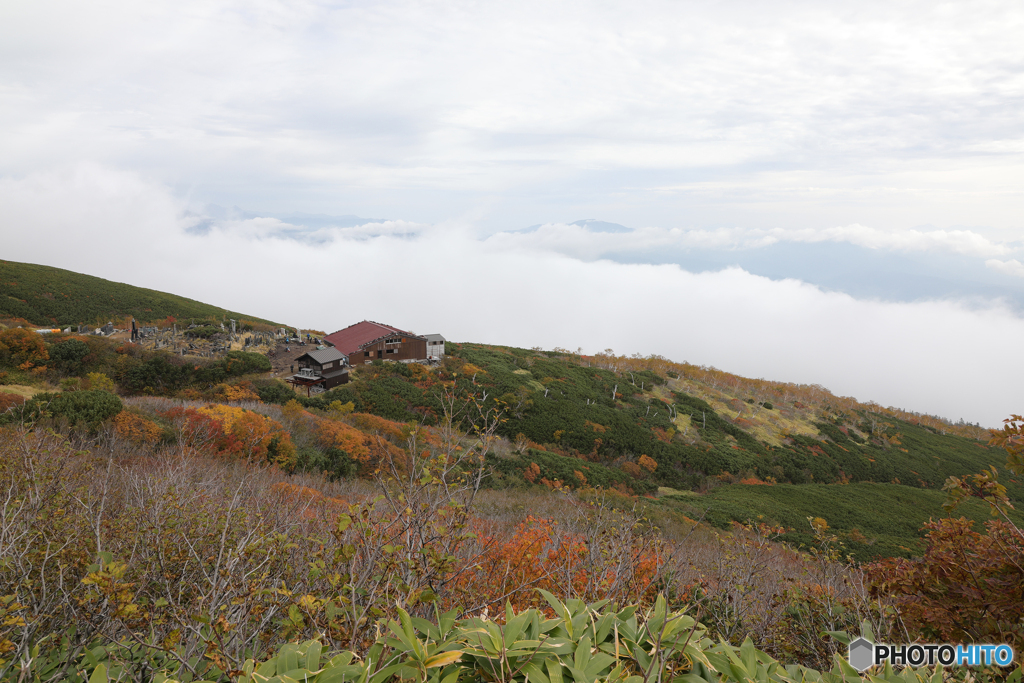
367, 341
320, 370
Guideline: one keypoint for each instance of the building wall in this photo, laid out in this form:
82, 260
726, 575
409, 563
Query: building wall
331, 382
409, 349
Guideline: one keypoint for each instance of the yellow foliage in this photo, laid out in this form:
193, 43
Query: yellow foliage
225, 415
292, 410
97, 380
341, 408
237, 392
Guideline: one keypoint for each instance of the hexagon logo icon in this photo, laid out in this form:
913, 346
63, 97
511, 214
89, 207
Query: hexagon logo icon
862, 654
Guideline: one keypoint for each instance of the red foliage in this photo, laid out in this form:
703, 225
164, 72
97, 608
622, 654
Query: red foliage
202, 432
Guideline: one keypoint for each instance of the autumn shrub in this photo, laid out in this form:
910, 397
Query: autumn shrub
159, 374
252, 436
243, 391
136, 428
535, 465
344, 437
23, 349
968, 586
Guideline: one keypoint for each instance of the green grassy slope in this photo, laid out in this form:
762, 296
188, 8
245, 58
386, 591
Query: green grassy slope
48, 296
879, 475
871, 519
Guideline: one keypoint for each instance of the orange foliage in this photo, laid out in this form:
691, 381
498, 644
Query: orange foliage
532, 472
8, 401
632, 469
537, 555
263, 439
648, 463
344, 437
373, 423
371, 452
136, 428
25, 348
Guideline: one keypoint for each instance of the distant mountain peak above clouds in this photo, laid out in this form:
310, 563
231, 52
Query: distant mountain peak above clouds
594, 225
590, 224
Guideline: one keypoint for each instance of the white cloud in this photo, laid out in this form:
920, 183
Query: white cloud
1010, 267
576, 240
938, 357
663, 113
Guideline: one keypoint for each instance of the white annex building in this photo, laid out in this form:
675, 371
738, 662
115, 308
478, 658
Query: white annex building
435, 346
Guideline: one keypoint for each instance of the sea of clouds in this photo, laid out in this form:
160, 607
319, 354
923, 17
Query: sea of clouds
538, 288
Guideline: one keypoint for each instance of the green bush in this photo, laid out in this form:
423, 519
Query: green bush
595, 643
86, 409
274, 391
67, 356
237, 363
509, 472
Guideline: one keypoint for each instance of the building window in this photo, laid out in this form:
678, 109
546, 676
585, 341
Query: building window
366, 354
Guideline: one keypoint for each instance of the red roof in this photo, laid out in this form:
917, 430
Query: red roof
353, 337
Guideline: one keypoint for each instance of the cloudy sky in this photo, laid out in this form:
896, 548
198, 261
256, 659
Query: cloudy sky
788, 190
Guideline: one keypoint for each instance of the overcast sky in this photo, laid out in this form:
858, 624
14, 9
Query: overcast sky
787, 190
